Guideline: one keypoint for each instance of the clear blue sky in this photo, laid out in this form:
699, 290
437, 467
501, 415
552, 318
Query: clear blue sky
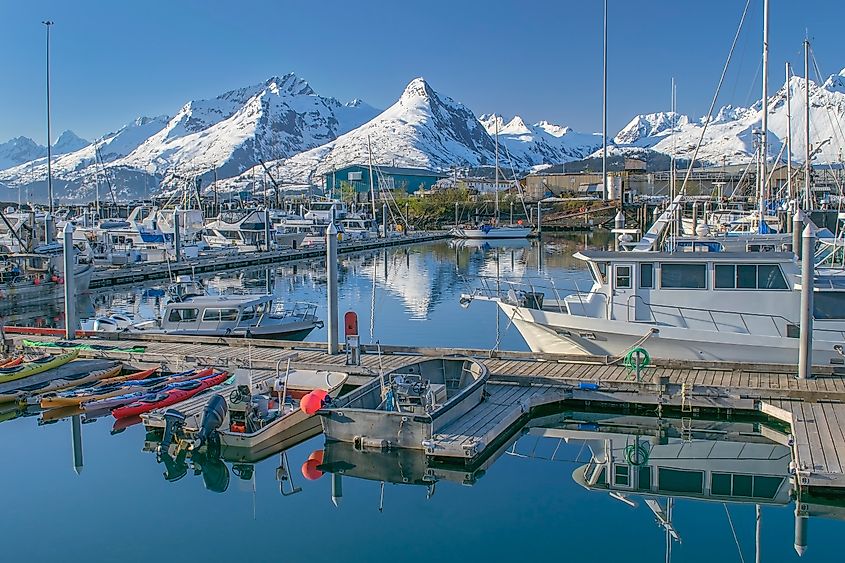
115, 60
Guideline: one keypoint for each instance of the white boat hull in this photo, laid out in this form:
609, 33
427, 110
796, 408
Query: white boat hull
492, 233
561, 333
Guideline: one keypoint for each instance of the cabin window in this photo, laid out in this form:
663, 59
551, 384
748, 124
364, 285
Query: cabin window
218, 315
829, 305
248, 313
749, 276
602, 266
680, 481
621, 475
683, 276
183, 315
647, 275
623, 277
749, 486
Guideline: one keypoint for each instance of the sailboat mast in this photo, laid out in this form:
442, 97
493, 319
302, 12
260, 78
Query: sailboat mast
48, 24
765, 124
789, 193
605, 191
496, 185
807, 165
372, 183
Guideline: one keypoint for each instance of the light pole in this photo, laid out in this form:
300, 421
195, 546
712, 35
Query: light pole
47, 24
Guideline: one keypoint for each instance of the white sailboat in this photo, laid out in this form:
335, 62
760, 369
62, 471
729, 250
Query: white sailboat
493, 230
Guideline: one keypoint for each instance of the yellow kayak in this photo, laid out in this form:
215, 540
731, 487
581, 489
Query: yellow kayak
36, 366
51, 401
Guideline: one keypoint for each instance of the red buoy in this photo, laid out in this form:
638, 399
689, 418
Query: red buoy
311, 403
309, 468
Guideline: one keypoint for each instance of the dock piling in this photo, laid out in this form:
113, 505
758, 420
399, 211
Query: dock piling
177, 236
331, 274
76, 438
539, 218
267, 230
70, 281
797, 227
805, 346
384, 220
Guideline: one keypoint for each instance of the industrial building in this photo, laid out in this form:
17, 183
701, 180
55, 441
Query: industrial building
357, 177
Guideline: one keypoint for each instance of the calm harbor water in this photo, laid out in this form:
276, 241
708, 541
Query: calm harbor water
524, 503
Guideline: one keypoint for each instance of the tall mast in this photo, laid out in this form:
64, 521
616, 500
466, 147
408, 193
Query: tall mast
807, 165
47, 24
372, 183
789, 194
496, 185
762, 194
605, 191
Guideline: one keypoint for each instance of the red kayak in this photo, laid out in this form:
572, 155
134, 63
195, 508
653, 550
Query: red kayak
167, 398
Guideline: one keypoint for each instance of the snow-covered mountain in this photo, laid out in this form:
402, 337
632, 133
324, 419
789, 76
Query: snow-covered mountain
541, 143
276, 119
730, 135
428, 130
23, 149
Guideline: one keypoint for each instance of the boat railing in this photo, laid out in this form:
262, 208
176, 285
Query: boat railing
510, 291
299, 309
679, 310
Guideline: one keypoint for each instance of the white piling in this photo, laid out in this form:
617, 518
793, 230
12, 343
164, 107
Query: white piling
805, 345
384, 220
49, 228
800, 541
337, 488
267, 230
618, 225
70, 281
331, 274
177, 235
539, 219
694, 218
456, 214
797, 227
76, 438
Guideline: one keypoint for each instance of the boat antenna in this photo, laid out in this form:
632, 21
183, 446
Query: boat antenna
48, 24
605, 193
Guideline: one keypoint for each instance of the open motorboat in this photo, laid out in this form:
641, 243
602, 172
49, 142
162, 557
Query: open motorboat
491, 232
405, 407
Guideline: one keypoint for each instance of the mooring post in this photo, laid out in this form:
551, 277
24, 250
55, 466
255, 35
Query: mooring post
76, 438
805, 350
337, 488
694, 219
49, 228
267, 230
797, 228
539, 218
618, 225
801, 522
456, 214
331, 274
70, 282
384, 220
177, 235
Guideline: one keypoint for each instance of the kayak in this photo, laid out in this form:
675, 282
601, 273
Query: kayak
36, 366
11, 362
75, 397
189, 381
62, 383
168, 398
77, 346
131, 377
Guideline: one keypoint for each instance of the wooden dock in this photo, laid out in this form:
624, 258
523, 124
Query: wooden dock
134, 273
521, 382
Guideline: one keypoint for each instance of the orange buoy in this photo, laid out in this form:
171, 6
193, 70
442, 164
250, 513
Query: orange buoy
309, 468
36, 281
320, 393
311, 403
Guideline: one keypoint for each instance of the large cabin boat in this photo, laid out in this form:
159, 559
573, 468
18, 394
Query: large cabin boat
251, 316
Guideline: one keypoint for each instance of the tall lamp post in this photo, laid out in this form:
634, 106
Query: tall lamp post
47, 25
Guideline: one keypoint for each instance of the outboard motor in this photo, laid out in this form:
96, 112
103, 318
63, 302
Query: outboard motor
174, 422
212, 418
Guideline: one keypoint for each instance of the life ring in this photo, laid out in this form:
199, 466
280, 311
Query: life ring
583, 210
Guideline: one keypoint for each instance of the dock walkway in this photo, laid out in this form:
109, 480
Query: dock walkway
521, 381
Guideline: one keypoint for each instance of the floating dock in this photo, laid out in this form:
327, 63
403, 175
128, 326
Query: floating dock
144, 271
522, 382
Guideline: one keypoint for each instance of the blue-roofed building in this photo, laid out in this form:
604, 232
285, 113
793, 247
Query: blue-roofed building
357, 176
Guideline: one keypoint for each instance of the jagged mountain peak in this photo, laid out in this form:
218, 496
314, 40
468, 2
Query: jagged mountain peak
417, 88
289, 84
69, 141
